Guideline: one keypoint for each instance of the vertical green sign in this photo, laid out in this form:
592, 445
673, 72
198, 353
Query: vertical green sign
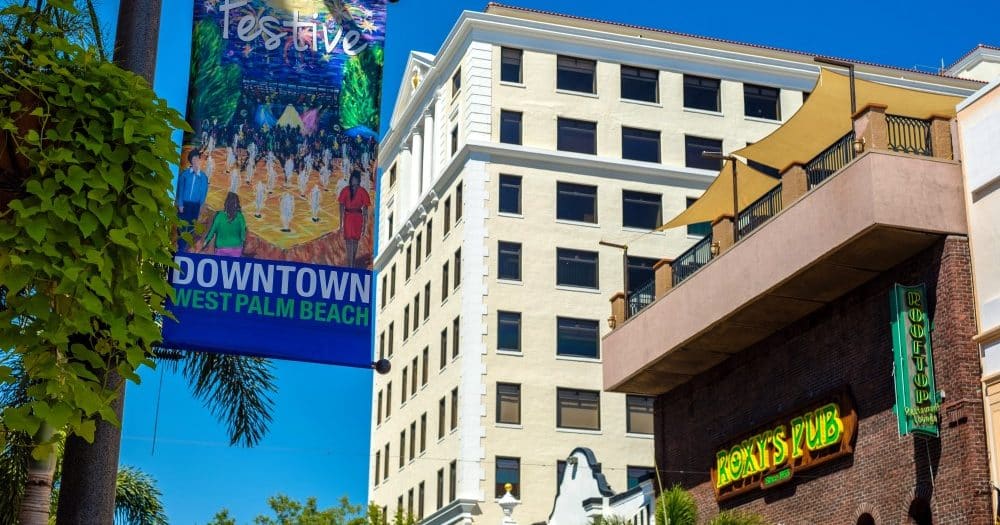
917, 401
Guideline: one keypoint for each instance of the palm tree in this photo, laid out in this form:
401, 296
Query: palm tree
676, 507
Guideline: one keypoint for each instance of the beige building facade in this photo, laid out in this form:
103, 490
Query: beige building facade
526, 141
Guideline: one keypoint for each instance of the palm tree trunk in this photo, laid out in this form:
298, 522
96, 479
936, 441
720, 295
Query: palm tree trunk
37, 500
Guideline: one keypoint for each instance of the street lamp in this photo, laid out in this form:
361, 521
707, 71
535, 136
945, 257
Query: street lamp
736, 202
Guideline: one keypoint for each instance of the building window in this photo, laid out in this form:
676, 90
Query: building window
413, 440
440, 488
510, 194
640, 272
510, 65
454, 140
403, 384
409, 503
402, 448
454, 409
578, 409
385, 464
509, 261
430, 230
458, 267
406, 322
509, 331
508, 403
409, 261
392, 282
392, 176
640, 84
761, 102
576, 202
641, 210
378, 465
640, 414
700, 229
391, 225
423, 432
560, 469
399, 505
381, 346
577, 338
693, 148
392, 337
378, 417
458, 202
447, 215
415, 368
419, 249
444, 281
454, 337
416, 312
423, 371
576, 268
442, 415
575, 74
385, 289
420, 501
640, 144
637, 475
579, 136
510, 127
456, 83
427, 300
701, 93
508, 470
452, 479
388, 402
444, 348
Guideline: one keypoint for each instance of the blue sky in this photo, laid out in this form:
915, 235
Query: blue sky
318, 445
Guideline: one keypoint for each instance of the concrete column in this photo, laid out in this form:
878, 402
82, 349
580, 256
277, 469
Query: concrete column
617, 310
429, 143
416, 166
941, 137
794, 184
722, 232
870, 126
402, 203
663, 277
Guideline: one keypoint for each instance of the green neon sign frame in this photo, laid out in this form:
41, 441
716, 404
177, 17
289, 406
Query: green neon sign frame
917, 399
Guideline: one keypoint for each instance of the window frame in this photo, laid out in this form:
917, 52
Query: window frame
637, 77
456, 83
499, 485
520, 64
701, 83
510, 179
505, 249
564, 68
573, 190
560, 352
563, 143
639, 131
500, 399
571, 255
633, 198
699, 162
629, 406
514, 318
761, 97
559, 406
506, 117
698, 229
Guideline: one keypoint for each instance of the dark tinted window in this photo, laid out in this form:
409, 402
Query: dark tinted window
510, 194
640, 84
510, 65
454, 140
641, 210
639, 474
701, 93
509, 261
509, 331
575, 74
640, 144
700, 229
761, 102
577, 337
694, 146
576, 202
576, 268
510, 127
577, 136
508, 471
640, 272
456, 83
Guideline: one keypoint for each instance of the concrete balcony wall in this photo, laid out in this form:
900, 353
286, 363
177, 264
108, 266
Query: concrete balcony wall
876, 212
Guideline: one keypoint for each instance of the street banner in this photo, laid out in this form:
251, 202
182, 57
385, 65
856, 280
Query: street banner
278, 181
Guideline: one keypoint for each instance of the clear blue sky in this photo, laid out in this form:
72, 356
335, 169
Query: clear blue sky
318, 445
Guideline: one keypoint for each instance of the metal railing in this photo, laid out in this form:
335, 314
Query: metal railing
909, 135
830, 160
641, 298
691, 260
758, 212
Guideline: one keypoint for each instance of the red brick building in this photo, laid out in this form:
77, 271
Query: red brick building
794, 305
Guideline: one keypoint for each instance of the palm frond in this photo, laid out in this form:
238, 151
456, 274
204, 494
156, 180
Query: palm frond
14, 459
237, 390
137, 499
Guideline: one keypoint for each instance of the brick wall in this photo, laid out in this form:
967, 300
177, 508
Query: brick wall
847, 342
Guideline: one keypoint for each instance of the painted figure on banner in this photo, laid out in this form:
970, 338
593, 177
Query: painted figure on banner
314, 202
287, 211
259, 199
354, 206
228, 230
234, 181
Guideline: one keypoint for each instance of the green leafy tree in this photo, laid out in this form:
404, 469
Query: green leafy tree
676, 507
361, 89
222, 518
216, 89
735, 517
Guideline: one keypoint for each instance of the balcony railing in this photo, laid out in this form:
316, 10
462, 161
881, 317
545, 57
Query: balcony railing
641, 298
909, 135
830, 160
758, 212
691, 260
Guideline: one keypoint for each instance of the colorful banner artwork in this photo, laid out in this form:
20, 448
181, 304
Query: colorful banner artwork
278, 180
917, 400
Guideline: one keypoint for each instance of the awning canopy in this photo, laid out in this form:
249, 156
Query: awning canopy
718, 197
826, 117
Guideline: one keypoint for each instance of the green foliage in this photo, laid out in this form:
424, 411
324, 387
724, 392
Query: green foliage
216, 90
401, 518
676, 507
85, 246
733, 517
291, 512
610, 520
222, 518
137, 499
361, 89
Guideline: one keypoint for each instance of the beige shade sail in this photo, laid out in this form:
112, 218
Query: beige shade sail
826, 117
718, 198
